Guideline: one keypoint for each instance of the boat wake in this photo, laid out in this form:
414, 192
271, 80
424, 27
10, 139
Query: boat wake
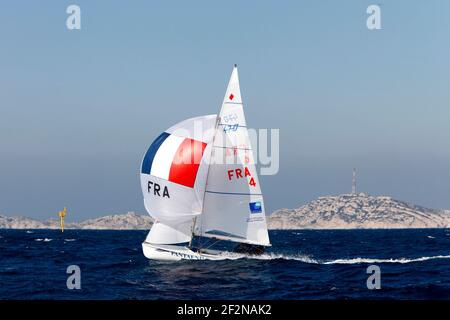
269, 256
308, 259
400, 260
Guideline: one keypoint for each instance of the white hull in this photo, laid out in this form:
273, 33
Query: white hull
176, 253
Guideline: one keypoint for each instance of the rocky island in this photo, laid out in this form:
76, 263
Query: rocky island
358, 211
128, 221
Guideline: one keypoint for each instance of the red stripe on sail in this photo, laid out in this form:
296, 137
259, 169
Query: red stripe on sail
186, 162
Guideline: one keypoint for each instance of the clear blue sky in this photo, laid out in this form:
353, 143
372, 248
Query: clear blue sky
79, 108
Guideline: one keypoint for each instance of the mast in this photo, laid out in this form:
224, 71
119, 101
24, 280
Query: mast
207, 174
192, 232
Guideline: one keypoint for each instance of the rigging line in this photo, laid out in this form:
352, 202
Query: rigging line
202, 245
216, 125
233, 148
217, 240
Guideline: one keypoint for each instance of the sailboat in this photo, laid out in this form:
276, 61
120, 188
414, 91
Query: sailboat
199, 181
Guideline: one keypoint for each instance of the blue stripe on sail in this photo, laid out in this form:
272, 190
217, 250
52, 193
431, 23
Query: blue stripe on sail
150, 155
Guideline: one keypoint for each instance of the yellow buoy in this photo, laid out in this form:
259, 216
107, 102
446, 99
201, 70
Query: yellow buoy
62, 214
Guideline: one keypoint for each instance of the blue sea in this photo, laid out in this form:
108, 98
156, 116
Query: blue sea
301, 264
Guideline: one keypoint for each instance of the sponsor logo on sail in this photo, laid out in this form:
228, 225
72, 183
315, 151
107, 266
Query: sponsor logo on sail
230, 117
230, 127
255, 207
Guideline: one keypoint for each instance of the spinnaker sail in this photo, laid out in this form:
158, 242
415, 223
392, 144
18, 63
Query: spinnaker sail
173, 177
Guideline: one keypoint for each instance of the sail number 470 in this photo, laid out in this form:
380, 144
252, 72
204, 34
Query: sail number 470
237, 174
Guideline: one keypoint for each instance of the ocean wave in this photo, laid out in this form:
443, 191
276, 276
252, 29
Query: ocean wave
45, 239
69, 240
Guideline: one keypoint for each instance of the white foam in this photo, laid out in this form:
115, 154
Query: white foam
45, 239
269, 256
307, 259
69, 240
296, 257
369, 260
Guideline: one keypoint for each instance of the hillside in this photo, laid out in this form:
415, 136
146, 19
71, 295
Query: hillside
128, 221
354, 211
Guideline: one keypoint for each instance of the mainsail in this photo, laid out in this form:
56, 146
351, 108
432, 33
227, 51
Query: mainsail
199, 177
233, 207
